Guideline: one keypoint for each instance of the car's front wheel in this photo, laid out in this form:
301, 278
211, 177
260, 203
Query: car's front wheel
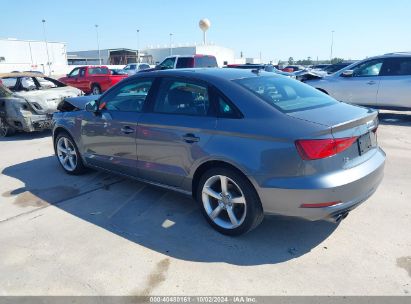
68, 154
229, 201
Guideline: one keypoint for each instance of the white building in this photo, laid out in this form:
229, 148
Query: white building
224, 55
31, 55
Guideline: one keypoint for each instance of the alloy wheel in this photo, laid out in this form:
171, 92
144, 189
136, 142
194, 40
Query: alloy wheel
224, 202
67, 154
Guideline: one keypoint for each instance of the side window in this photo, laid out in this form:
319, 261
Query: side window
368, 68
225, 108
168, 63
396, 67
185, 62
74, 73
182, 97
82, 72
27, 83
143, 66
130, 97
98, 71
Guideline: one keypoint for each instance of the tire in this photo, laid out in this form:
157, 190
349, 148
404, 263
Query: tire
95, 89
5, 129
70, 159
240, 197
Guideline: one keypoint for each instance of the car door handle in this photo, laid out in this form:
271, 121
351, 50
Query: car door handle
191, 138
127, 130
371, 82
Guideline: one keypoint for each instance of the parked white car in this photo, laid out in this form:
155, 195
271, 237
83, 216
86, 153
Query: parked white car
379, 82
133, 68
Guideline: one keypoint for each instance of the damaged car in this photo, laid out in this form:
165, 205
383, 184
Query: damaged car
28, 100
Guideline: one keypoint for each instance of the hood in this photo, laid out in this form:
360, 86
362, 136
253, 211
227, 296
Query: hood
76, 103
46, 101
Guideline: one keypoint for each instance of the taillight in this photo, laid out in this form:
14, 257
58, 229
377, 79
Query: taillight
310, 149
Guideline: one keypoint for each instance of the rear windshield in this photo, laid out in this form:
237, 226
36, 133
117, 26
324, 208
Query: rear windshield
286, 95
205, 62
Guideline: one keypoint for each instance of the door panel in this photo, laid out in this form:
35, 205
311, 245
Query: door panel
109, 136
395, 91
356, 90
362, 87
168, 145
109, 140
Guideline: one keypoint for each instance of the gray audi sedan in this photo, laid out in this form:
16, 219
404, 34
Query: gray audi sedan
241, 142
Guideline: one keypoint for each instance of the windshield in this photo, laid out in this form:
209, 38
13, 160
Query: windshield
285, 94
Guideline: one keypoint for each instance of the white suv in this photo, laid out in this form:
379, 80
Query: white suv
379, 82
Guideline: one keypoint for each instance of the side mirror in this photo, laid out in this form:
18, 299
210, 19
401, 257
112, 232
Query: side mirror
92, 106
348, 73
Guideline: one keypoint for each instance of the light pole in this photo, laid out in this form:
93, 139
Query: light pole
171, 46
138, 46
47, 47
332, 44
98, 45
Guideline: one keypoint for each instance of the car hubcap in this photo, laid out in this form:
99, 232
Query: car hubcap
224, 202
3, 128
67, 153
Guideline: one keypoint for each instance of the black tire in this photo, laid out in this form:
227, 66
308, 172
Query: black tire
5, 129
254, 211
79, 167
95, 89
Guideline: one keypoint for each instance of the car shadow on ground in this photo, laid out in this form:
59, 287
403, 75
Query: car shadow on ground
164, 221
26, 136
395, 118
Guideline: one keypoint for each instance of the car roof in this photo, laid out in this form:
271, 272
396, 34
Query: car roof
209, 73
20, 74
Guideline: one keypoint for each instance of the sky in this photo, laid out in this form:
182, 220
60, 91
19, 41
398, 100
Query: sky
279, 29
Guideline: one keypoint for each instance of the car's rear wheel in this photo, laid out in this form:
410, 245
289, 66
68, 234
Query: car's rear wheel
5, 129
68, 154
95, 89
229, 201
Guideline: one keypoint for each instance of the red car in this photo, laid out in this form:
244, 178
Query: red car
92, 79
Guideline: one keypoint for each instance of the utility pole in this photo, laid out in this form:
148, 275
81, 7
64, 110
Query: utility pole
332, 44
171, 46
47, 47
138, 46
98, 45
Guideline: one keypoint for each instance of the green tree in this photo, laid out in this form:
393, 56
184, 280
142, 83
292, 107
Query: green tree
337, 60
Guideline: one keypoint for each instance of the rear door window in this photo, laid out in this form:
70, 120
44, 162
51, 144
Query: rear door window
396, 67
182, 97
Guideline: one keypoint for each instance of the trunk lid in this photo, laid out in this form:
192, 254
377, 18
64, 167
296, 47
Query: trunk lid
343, 119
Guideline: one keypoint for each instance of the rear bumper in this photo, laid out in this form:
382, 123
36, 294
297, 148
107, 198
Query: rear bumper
351, 187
